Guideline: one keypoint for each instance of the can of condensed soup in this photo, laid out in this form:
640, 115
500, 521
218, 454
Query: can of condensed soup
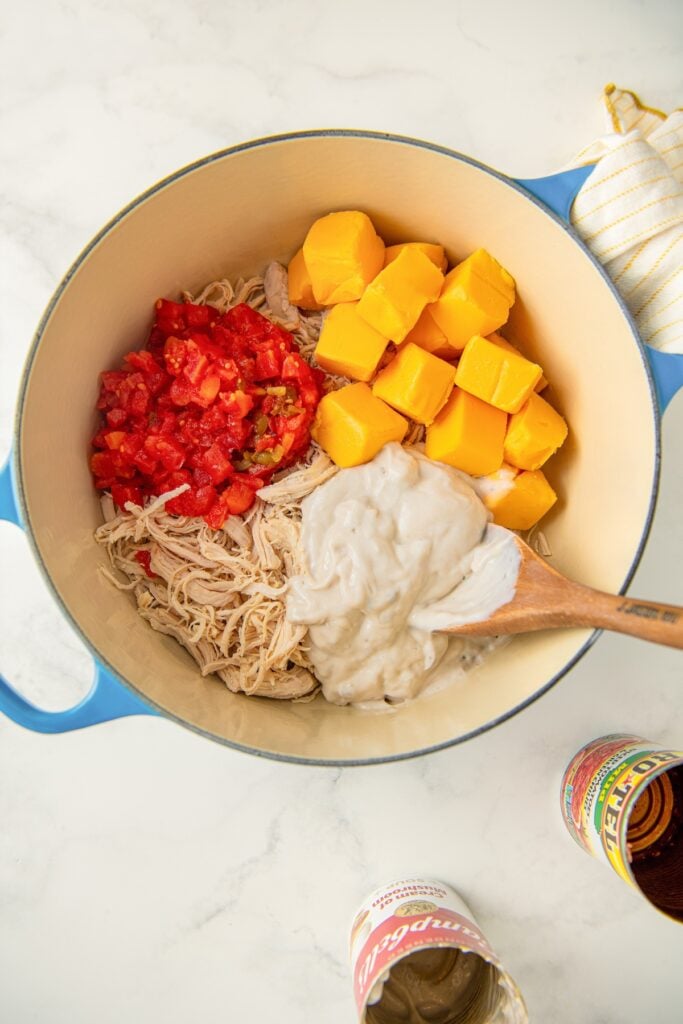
418, 956
622, 801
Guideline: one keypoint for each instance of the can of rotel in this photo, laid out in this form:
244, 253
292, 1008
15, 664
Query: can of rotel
622, 801
418, 955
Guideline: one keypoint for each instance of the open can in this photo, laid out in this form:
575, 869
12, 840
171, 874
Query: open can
417, 954
622, 801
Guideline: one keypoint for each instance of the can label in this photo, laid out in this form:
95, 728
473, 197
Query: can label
600, 788
411, 915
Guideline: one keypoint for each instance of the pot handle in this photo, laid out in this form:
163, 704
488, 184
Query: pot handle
107, 699
667, 372
558, 192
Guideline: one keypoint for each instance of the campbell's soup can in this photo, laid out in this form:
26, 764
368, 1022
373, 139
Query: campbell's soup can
417, 954
622, 801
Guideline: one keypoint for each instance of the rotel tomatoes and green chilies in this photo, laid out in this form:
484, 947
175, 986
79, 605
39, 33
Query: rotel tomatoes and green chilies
216, 401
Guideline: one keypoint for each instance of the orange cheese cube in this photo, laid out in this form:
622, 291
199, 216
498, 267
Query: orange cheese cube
299, 285
392, 303
416, 383
525, 502
501, 378
428, 335
467, 434
351, 425
435, 252
343, 253
475, 299
534, 434
502, 342
348, 345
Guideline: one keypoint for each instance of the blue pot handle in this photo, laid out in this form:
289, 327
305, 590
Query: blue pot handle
558, 192
107, 699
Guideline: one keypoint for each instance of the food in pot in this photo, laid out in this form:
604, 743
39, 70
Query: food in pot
468, 434
215, 401
476, 299
221, 443
394, 300
348, 345
352, 425
387, 546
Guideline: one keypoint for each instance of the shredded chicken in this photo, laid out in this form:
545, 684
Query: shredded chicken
221, 593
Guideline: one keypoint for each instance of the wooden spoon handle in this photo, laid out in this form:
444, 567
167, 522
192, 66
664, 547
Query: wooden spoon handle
649, 620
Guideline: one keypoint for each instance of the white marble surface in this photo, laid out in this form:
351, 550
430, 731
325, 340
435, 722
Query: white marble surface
147, 874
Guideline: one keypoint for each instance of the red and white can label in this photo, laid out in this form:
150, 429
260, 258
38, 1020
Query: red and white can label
411, 915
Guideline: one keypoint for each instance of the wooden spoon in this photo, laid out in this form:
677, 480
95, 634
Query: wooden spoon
544, 599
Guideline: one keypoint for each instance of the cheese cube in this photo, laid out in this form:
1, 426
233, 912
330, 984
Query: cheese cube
416, 383
467, 434
475, 299
504, 379
348, 345
525, 502
428, 335
392, 303
351, 425
343, 253
435, 252
299, 285
534, 434
498, 339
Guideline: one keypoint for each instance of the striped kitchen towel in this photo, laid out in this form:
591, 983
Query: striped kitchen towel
630, 213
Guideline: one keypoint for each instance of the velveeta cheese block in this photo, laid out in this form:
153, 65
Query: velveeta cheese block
534, 434
348, 345
476, 299
467, 434
435, 252
416, 383
521, 505
393, 302
352, 425
501, 378
299, 287
343, 253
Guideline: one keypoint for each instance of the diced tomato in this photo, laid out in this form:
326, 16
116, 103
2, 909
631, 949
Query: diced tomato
121, 493
214, 419
180, 392
114, 438
170, 316
268, 364
236, 434
145, 560
166, 450
237, 403
196, 363
216, 515
147, 464
174, 355
195, 502
238, 497
197, 316
217, 464
190, 408
207, 390
102, 464
116, 417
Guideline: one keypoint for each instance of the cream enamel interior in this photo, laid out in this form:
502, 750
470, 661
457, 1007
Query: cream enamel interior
228, 217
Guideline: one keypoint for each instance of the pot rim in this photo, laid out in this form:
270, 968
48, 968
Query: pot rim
205, 161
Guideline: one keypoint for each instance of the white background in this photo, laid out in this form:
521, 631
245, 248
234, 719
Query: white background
150, 875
